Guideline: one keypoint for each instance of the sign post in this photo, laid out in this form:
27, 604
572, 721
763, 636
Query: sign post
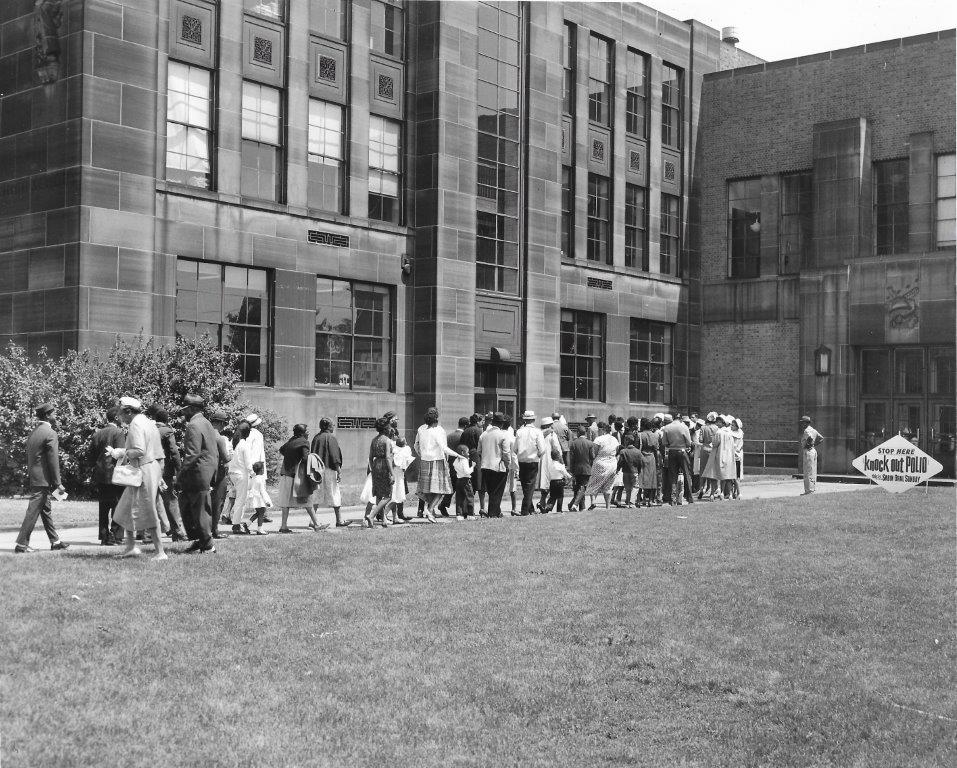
897, 465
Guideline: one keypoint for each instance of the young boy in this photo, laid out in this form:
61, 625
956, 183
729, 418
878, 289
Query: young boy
464, 504
258, 497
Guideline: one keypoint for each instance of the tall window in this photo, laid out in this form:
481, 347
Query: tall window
326, 155
796, 224
671, 98
568, 212
636, 227
582, 355
498, 158
388, 29
189, 136
649, 370
262, 142
273, 9
601, 78
231, 305
569, 62
744, 228
353, 334
599, 218
636, 88
328, 17
385, 178
890, 206
946, 201
670, 239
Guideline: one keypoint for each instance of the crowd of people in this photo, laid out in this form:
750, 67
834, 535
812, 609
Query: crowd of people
149, 487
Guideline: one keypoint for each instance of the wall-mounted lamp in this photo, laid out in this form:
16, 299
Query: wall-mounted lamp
822, 361
406, 266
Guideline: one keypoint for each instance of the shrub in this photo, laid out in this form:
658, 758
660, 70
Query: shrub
83, 385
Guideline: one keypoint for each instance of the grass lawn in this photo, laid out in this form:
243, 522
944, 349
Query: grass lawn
781, 632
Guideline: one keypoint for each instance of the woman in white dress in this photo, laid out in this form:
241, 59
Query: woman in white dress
720, 465
603, 468
240, 470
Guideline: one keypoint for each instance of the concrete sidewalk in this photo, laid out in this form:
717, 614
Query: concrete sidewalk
86, 537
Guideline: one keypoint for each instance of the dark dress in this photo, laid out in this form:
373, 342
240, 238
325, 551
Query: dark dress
380, 464
649, 460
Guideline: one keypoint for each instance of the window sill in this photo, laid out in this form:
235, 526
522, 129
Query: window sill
623, 271
353, 390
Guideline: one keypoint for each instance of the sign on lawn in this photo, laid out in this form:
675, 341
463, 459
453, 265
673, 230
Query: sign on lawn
897, 465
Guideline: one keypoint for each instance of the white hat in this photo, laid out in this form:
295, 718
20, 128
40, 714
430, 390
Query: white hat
737, 423
711, 416
528, 416
131, 402
667, 418
547, 421
253, 419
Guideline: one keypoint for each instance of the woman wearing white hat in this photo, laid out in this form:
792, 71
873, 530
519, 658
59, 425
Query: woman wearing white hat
136, 509
720, 465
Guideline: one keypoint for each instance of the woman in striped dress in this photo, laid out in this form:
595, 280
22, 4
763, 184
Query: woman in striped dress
605, 466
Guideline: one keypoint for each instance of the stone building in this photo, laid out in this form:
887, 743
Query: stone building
384, 206
827, 245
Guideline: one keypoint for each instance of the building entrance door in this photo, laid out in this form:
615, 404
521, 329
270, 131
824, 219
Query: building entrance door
496, 388
909, 421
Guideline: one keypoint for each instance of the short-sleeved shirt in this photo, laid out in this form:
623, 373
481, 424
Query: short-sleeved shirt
809, 437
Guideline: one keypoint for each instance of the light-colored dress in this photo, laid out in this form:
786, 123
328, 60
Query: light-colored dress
604, 467
738, 435
136, 509
721, 462
402, 459
547, 470
432, 447
240, 470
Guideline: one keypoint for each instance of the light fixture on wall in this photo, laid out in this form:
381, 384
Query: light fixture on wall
822, 361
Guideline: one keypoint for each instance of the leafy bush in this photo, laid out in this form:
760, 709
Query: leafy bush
83, 385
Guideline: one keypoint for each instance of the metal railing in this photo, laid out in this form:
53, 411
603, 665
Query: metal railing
772, 454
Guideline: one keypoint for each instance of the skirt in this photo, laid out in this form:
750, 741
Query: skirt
286, 494
603, 473
329, 494
136, 509
648, 479
434, 477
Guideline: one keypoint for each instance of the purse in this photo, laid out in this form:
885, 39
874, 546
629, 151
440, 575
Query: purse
128, 475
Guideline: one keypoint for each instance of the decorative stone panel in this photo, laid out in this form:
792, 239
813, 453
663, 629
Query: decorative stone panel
263, 52
386, 88
328, 70
670, 172
192, 32
599, 150
636, 162
568, 141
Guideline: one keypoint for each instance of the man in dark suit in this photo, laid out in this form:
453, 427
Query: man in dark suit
453, 441
218, 419
200, 460
43, 474
581, 454
108, 436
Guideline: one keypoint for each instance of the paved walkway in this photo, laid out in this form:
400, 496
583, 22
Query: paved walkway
85, 537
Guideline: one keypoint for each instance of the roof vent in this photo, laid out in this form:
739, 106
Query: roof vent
730, 35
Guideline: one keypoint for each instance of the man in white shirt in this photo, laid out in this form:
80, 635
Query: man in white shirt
810, 440
592, 421
529, 448
496, 452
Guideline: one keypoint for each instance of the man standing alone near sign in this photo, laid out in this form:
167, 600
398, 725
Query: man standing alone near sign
810, 440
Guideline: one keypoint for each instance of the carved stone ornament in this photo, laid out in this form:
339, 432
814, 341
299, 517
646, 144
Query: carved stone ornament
47, 16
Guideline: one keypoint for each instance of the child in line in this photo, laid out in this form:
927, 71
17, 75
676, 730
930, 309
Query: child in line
258, 497
464, 503
629, 464
402, 459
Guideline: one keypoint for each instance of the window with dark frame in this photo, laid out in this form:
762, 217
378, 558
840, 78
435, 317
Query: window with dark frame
385, 176
636, 227
601, 78
262, 150
498, 156
891, 190
649, 369
670, 235
189, 135
744, 228
231, 305
568, 212
797, 221
388, 29
671, 100
354, 345
569, 66
582, 355
328, 17
599, 219
636, 90
946, 201
326, 156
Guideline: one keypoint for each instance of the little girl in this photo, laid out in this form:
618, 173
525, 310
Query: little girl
258, 497
402, 458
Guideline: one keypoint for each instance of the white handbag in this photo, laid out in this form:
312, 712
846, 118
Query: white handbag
127, 474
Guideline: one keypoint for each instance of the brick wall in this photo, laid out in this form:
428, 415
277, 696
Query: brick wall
750, 370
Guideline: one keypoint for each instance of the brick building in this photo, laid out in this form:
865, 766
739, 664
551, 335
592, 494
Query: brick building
827, 245
383, 205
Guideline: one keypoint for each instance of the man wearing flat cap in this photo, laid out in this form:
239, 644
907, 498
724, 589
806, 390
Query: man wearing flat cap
43, 474
200, 460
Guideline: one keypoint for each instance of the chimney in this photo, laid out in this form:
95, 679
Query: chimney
730, 35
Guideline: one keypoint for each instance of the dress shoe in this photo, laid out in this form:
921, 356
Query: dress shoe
194, 547
239, 530
59, 546
22, 550
267, 519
